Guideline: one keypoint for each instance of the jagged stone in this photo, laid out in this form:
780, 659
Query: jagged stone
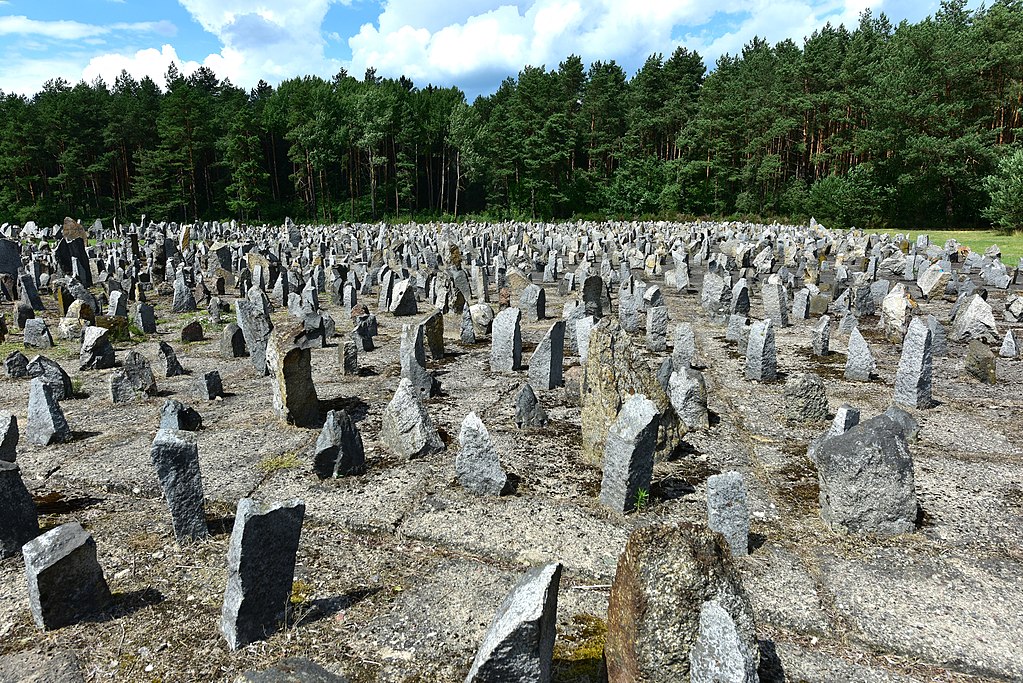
294, 395
506, 341
477, 464
406, 427
97, 353
339, 450
46, 423
806, 399
19, 522
629, 455
859, 362
52, 374
176, 415
175, 455
980, 362
761, 358
528, 411
913, 378
687, 390
727, 512
65, 581
545, 365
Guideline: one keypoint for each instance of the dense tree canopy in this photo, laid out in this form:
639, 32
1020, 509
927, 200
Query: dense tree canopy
903, 125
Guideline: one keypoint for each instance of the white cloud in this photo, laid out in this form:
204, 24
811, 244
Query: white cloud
76, 30
149, 62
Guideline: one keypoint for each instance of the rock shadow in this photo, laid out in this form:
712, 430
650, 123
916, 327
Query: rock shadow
322, 608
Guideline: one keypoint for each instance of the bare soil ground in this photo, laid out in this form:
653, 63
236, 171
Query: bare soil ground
400, 571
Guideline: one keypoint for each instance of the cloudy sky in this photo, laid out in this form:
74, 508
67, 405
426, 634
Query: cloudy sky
470, 43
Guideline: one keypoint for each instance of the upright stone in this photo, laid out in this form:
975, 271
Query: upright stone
685, 354
37, 334
46, 424
976, 321
687, 390
19, 522
65, 581
9, 436
980, 362
533, 301
657, 328
506, 341
519, 644
232, 342
176, 415
775, 303
339, 450
260, 569
1009, 348
913, 378
294, 395
545, 365
528, 411
97, 353
175, 455
406, 427
53, 375
348, 357
761, 359
629, 455
169, 358
806, 399
727, 512
822, 336
720, 652
256, 328
859, 362
477, 464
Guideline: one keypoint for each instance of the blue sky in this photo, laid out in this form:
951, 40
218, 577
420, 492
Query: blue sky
472, 43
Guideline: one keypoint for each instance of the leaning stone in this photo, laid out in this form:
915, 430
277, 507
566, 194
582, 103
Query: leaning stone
614, 371
806, 399
172, 368
175, 455
761, 359
629, 455
665, 575
65, 581
477, 464
866, 479
53, 375
9, 436
406, 427
720, 652
519, 644
339, 450
97, 353
294, 395
16, 365
506, 341
19, 522
528, 411
176, 415
859, 363
545, 365
913, 378
727, 512
687, 390
980, 362
232, 342
260, 569
208, 386
46, 423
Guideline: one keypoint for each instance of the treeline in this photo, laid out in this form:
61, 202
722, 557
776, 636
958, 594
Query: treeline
881, 124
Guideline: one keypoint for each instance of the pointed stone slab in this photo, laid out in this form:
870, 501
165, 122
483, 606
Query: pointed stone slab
406, 427
477, 464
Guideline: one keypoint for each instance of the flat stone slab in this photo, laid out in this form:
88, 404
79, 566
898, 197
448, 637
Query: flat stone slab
782, 591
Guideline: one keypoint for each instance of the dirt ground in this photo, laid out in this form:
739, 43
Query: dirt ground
400, 571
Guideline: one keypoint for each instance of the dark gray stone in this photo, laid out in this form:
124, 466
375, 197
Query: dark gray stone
46, 424
913, 378
143, 317
19, 522
528, 411
232, 342
477, 464
260, 569
339, 450
176, 415
256, 327
192, 332
629, 455
9, 436
97, 352
822, 336
65, 581
172, 368
806, 399
175, 455
687, 390
506, 341
37, 334
348, 357
208, 386
139, 373
546, 363
519, 644
16, 365
52, 374
292, 670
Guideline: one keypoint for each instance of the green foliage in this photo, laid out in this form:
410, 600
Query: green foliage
642, 499
1005, 188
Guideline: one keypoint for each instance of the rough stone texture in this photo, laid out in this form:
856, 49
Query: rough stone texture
348, 357
976, 321
53, 375
65, 581
477, 464
687, 390
727, 511
533, 301
18, 520
980, 362
260, 569
171, 365
913, 379
256, 328
866, 479
37, 334
519, 644
657, 328
859, 362
208, 386
895, 316
822, 337
52, 665
720, 652
16, 365
775, 304
615, 371
176, 415
46, 423
294, 395
291, 670
139, 373
629, 455
406, 427
528, 411
806, 399
665, 575
761, 357
9, 435
175, 455
846, 417
545, 365
506, 341
1009, 347
684, 353
232, 342
339, 450
97, 353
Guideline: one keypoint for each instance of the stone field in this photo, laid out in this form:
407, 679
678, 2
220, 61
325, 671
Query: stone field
508, 452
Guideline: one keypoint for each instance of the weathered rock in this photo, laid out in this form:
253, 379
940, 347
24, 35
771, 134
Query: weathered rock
97, 353
260, 569
232, 342
519, 644
339, 450
528, 411
291, 670
208, 386
866, 479
184, 300
806, 399
545, 365
859, 363
761, 358
506, 341
727, 512
294, 395
533, 302
46, 424
9, 436
53, 375
687, 390
406, 427
615, 371
721, 652
629, 455
976, 321
846, 417
348, 357
139, 373
477, 464
171, 366
16, 365
175, 455
775, 303
19, 522
37, 334
1009, 347
256, 328
913, 378
192, 332
980, 362
176, 415
65, 581
657, 328
412, 355
665, 575
143, 317
895, 313
822, 336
